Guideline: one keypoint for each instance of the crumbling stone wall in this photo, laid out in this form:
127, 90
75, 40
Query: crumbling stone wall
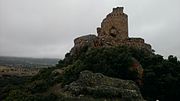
114, 26
113, 32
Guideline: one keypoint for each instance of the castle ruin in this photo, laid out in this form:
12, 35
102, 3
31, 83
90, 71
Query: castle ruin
114, 26
113, 32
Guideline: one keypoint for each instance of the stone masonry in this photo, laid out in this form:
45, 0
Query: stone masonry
114, 26
113, 32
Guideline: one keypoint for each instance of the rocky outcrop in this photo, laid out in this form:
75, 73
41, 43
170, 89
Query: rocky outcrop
98, 85
84, 42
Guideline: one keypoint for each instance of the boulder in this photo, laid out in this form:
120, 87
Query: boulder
99, 86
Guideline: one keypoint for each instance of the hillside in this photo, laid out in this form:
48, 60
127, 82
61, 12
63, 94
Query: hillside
71, 81
27, 62
17, 70
108, 67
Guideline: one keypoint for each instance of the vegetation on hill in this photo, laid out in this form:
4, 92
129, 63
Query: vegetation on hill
161, 77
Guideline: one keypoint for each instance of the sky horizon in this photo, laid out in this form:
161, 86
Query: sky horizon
46, 28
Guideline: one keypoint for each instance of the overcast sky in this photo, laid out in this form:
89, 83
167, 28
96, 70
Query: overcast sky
47, 28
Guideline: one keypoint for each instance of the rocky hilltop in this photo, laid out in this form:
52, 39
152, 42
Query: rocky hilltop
113, 32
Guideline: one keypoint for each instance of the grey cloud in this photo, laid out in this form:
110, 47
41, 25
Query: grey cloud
46, 28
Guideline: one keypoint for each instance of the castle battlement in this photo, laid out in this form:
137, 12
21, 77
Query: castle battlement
117, 12
118, 9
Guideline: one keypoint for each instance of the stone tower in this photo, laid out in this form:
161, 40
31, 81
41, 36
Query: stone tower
113, 32
114, 28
